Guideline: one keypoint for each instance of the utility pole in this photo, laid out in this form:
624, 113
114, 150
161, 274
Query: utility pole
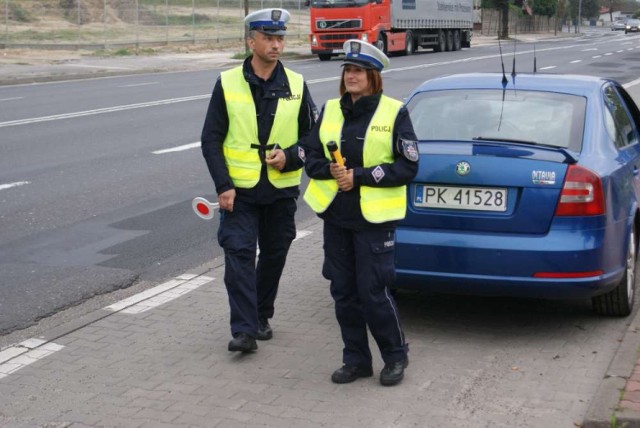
246, 34
580, 16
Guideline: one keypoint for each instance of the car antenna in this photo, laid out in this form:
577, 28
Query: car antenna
504, 75
504, 84
513, 68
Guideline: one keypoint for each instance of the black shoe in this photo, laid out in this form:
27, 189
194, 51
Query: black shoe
393, 373
347, 374
242, 342
264, 330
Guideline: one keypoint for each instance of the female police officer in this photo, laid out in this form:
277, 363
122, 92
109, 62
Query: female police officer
360, 204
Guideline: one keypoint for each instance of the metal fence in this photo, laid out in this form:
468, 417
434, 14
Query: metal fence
111, 23
96, 24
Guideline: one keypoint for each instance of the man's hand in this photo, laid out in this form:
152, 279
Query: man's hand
226, 199
276, 159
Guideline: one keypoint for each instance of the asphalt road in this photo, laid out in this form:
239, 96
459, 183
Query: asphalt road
97, 176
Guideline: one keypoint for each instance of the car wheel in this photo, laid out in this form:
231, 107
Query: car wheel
324, 57
619, 301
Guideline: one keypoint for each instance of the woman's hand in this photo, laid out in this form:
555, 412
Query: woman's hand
343, 176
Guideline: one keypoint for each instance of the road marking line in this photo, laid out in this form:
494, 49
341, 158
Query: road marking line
547, 68
299, 235
576, 61
206, 96
632, 83
178, 148
21, 355
16, 184
98, 66
11, 99
101, 111
596, 56
302, 234
608, 53
138, 84
159, 294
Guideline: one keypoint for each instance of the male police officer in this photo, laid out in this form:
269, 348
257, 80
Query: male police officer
256, 116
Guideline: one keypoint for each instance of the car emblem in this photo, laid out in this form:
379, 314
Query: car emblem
322, 24
463, 168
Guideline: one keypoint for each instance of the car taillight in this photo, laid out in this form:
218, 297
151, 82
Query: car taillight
581, 194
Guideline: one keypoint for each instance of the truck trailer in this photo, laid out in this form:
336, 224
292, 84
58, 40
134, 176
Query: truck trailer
394, 26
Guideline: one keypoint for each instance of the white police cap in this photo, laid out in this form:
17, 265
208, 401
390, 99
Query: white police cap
364, 55
268, 21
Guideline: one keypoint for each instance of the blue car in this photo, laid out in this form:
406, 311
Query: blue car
528, 186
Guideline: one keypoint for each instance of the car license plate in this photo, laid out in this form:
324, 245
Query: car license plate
461, 198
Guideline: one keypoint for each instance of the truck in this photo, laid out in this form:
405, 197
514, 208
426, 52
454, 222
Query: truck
394, 26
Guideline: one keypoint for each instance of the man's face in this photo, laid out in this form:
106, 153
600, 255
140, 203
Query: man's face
265, 47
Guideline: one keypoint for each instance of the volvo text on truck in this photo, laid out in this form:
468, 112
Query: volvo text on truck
398, 26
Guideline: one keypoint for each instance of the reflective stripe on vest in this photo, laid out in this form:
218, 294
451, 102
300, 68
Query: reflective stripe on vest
242, 160
378, 204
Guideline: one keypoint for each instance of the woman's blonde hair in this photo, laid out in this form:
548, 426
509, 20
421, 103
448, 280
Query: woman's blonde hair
373, 77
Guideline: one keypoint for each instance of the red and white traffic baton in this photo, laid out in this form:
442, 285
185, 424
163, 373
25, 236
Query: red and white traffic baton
203, 208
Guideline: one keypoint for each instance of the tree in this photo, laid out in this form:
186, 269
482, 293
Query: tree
503, 7
545, 7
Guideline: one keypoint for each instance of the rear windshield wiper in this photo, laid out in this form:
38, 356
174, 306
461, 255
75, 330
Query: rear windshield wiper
509, 140
570, 158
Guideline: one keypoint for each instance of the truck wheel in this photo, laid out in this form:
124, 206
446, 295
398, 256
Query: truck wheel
324, 57
409, 47
456, 40
449, 35
442, 42
381, 43
619, 301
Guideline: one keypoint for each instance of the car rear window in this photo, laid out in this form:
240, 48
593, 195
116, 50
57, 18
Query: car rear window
540, 117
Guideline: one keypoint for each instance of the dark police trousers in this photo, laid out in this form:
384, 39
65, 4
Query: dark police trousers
252, 288
360, 266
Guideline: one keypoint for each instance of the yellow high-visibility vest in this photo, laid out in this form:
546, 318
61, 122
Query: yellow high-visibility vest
378, 204
242, 160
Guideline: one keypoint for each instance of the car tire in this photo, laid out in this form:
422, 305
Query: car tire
324, 57
619, 301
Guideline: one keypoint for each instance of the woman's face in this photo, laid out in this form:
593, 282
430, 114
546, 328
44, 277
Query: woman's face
356, 81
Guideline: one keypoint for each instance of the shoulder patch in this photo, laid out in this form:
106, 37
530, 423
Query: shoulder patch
410, 150
378, 173
301, 154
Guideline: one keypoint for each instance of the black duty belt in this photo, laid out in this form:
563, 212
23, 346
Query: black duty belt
262, 150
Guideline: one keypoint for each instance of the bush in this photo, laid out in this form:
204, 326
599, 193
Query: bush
18, 13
